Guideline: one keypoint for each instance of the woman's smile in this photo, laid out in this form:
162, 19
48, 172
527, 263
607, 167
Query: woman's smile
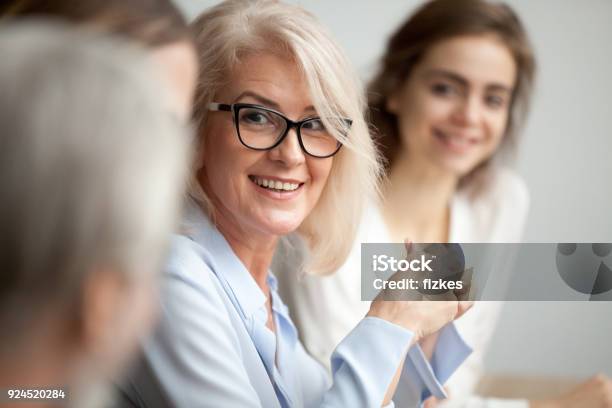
277, 188
455, 142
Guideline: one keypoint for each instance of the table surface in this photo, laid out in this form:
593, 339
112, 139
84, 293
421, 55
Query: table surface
532, 387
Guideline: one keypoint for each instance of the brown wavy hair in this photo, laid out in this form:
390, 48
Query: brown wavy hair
151, 23
433, 22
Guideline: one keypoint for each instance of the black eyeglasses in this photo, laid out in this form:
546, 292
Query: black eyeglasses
261, 128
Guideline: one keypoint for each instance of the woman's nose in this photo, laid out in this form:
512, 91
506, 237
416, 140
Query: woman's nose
468, 111
289, 150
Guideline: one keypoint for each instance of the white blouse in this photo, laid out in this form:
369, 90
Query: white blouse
326, 308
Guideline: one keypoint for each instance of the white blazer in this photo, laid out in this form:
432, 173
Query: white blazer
326, 308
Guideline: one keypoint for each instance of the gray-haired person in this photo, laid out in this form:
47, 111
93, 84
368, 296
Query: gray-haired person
92, 165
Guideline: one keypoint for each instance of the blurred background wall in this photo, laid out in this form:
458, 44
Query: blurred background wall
565, 158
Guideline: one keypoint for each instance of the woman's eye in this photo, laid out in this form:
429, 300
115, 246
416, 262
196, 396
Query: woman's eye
443, 89
495, 101
314, 125
255, 118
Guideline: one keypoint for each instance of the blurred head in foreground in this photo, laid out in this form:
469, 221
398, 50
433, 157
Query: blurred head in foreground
91, 167
155, 24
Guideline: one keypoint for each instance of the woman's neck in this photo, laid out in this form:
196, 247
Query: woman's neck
417, 199
254, 249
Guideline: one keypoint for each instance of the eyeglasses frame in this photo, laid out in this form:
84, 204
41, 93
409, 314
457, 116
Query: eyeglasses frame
235, 108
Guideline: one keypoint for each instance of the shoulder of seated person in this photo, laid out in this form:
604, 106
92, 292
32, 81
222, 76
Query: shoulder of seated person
188, 260
500, 187
495, 208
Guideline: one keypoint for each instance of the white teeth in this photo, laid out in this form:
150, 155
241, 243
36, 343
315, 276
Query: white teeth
455, 140
459, 141
275, 184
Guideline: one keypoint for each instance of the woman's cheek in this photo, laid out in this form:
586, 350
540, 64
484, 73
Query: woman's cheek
320, 172
498, 128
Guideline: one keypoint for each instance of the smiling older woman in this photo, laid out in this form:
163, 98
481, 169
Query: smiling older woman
284, 149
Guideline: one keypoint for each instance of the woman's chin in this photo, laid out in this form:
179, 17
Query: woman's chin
456, 167
284, 228
282, 225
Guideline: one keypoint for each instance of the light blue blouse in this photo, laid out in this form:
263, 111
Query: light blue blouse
212, 347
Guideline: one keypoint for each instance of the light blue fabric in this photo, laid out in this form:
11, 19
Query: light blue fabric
420, 379
212, 347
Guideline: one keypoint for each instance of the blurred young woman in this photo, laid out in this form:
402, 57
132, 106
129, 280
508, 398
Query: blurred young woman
447, 103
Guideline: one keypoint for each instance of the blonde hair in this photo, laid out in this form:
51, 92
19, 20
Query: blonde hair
235, 28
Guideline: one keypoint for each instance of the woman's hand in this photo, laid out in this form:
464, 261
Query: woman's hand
593, 393
422, 317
